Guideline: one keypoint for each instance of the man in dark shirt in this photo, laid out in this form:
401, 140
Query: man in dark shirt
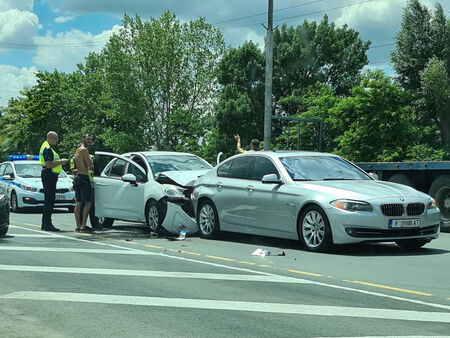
51, 167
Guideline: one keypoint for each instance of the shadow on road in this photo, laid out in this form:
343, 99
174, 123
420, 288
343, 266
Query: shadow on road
360, 249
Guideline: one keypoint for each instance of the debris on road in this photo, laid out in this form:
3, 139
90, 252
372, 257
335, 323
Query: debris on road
261, 252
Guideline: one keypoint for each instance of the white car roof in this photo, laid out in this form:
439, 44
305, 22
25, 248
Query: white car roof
159, 153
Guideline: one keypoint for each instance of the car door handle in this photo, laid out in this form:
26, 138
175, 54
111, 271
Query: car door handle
102, 184
250, 187
219, 185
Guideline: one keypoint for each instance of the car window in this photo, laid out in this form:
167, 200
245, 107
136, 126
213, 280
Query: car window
321, 168
263, 166
224, 169
240, 168
2, 169
28, 170
117, 168
141, 162
9, 170
140, 176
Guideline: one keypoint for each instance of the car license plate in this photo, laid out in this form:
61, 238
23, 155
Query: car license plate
404, 223
60, 197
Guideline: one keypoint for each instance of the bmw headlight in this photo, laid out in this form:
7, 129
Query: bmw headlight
349, 205
28, 187
173, 191
432, 204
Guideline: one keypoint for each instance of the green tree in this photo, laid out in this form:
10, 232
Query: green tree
422, 61
159, 82
240, 104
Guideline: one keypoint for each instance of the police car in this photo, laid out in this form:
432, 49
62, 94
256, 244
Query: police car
20, 178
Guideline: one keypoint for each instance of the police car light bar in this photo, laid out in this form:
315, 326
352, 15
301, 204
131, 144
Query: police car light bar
23, 157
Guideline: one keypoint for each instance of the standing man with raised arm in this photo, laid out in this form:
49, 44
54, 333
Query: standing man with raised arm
51, 167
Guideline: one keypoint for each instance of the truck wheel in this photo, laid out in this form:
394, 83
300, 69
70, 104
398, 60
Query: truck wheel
440, 191
402, 179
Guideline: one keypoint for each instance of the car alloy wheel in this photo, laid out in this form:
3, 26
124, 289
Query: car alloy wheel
14, 203
153, 217
207, 220
314, 229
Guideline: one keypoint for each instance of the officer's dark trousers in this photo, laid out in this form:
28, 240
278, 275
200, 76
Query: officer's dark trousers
49, 180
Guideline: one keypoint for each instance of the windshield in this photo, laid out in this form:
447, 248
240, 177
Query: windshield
162, 163
321, 168
32, 170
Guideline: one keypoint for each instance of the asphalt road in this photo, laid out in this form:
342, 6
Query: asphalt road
127, 282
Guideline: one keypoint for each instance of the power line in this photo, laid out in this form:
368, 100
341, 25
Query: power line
303, 15
384, 45
265, 13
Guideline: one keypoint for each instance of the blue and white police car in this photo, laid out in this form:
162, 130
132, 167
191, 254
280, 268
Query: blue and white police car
20, 177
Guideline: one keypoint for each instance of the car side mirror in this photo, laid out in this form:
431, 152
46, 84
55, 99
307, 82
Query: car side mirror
374, 176
271, 179
129, 178
7, 177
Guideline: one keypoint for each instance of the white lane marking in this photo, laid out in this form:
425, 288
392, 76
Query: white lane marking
144, 273
299, 309
74, 250
339, 287
32, 235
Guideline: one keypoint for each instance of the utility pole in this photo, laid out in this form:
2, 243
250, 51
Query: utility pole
268, 79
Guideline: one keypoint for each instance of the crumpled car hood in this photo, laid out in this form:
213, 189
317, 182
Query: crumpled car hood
185, 178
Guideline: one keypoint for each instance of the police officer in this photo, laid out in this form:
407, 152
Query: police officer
51, 167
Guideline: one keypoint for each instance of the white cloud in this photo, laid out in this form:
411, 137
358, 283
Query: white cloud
62, 19
18, 26
65, 50
374, 20
22, 5
13, 80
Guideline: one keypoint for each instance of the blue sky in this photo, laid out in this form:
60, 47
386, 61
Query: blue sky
58, 34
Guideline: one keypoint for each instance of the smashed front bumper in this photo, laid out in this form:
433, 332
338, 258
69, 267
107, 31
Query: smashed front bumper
176, 220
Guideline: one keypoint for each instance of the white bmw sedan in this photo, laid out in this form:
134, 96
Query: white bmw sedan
151, 186
317, 198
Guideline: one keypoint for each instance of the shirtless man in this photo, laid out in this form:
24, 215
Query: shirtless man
82, 184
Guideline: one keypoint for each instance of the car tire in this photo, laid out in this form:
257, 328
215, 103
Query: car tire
105, 222
412, 244
440, 191
208, 219
154, 217
14, 202
3, 231
314, 230
71, 209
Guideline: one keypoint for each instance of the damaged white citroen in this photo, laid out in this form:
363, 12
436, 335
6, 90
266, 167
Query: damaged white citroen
152, 187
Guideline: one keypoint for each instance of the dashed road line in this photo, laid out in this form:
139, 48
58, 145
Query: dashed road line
420, 293
306, 273
221, 258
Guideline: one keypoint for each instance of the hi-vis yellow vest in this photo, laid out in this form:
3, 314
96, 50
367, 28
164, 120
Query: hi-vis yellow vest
44, 145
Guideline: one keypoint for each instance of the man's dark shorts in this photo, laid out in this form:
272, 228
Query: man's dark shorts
83, 188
